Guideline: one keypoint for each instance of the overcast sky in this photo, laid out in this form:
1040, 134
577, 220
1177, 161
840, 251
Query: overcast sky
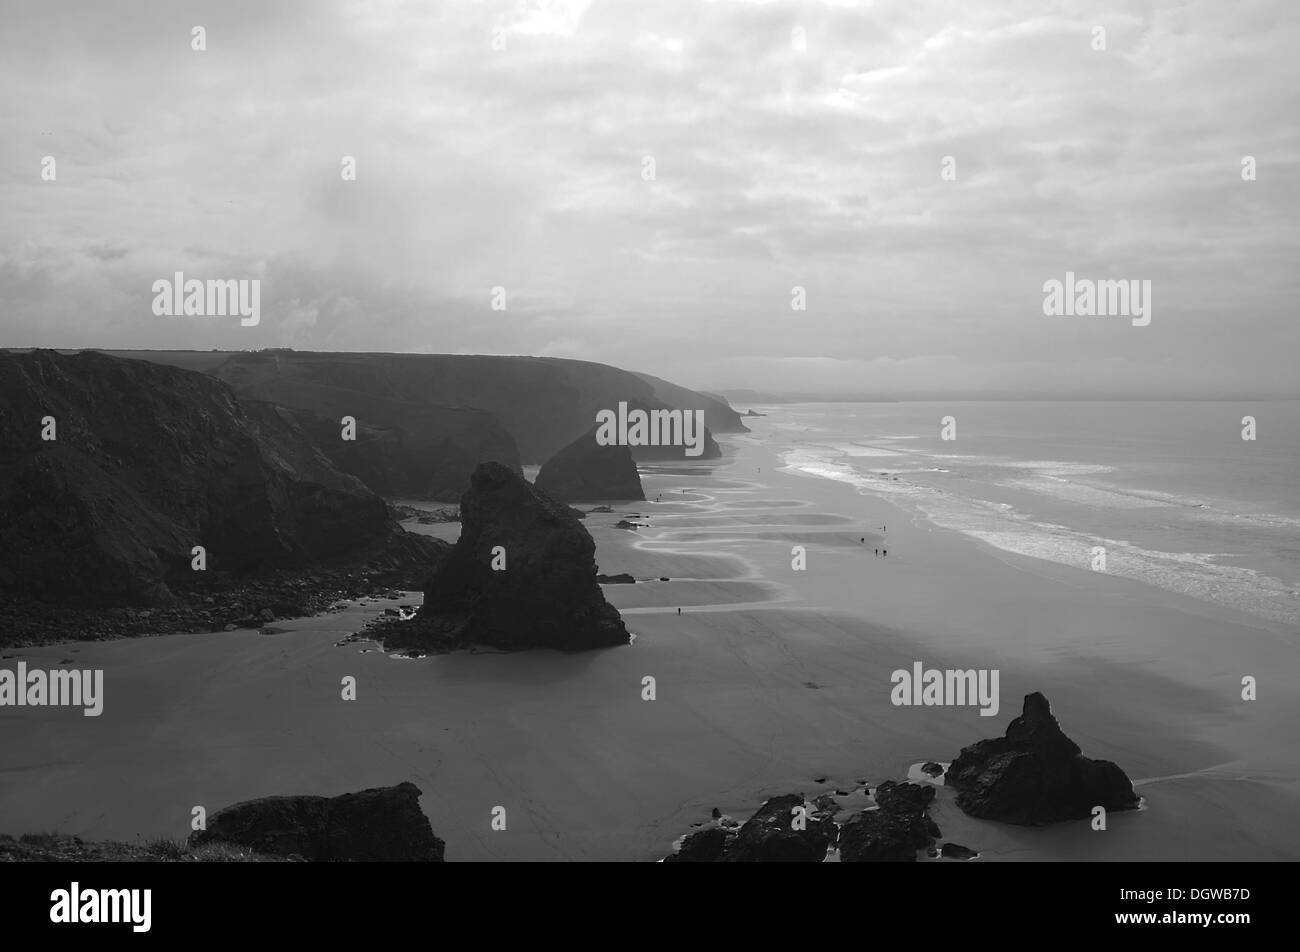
775, 167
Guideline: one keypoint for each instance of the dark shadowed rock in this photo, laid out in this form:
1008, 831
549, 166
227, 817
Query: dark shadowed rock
706, 846
546, 596
383, 824
1035, 774
621, 579
957, 851
399, 449
827, 804
893, 833
150, 461
588, 471
769, 835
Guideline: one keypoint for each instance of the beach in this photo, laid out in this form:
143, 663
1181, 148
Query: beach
771, 680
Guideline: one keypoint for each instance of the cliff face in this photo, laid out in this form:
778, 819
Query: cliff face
586, 471
521, 575
430, 455
718, 413
149, 461
544, 404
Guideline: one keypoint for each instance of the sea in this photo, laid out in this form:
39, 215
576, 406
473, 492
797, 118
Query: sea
1170, 491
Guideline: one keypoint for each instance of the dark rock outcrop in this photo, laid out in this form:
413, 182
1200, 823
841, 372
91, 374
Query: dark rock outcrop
893, 833
585, 470
1035, 774
769, 835
382, 824
545, 596
621, 579
150, 461
706, 846
957, 851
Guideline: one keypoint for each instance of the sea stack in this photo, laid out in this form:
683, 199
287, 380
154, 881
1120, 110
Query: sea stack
1035, 774
585, 470
522, 575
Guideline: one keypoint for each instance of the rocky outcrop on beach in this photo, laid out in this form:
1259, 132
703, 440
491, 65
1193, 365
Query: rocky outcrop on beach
585, 470
772, 835
703, 846
894, 832
1035, 774
786, 829
782, 830
113, 470
521, 575
382, 824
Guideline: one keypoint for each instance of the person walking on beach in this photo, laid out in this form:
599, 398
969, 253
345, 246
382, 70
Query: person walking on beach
885, 553
877, 553
679, 611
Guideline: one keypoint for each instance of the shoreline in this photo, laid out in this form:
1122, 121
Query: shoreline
771, 679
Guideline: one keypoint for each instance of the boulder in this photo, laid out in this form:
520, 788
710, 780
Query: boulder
894, 832
1035, 774
769, 835
544, 593
706, 846
585, 470
382, 824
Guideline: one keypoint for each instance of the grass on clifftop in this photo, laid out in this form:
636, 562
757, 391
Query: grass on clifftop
58, 847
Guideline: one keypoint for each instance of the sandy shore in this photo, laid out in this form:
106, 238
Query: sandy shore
769, 680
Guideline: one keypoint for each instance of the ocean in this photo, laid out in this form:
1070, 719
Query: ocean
1170, 490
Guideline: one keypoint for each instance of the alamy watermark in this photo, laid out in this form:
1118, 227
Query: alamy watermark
950, 688
74, 905
1087, 298
651, 428
212, 298
58, 688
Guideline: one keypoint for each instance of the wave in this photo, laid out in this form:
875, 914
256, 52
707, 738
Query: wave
1001, 525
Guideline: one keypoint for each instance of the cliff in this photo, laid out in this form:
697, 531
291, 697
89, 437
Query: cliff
544, 404
147, 462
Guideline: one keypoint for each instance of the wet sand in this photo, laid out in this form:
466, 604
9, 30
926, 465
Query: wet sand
769, 679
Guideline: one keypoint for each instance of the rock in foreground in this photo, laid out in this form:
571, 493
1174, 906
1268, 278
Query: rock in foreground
585, 470
769, 836
382, 824
521, 575
1035, 774
893, 833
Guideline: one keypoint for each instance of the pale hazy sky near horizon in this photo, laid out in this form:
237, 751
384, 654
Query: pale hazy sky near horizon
775, 166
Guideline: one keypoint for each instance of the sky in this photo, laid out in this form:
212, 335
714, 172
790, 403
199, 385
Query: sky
651, 182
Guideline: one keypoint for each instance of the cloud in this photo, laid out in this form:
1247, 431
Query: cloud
794, 144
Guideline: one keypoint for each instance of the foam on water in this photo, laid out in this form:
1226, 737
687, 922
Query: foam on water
1198, 574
